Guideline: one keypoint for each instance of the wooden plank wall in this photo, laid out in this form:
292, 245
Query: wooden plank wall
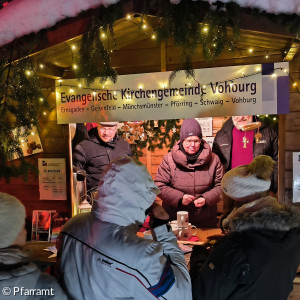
54, 139
292, 130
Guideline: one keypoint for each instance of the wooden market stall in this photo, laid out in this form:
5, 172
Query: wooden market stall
134, 49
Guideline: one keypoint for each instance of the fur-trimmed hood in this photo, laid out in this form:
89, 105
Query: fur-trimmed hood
263, 214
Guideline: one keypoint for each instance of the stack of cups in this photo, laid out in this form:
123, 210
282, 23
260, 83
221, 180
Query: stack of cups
182, 228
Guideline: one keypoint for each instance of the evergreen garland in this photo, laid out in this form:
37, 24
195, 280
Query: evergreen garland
21, 104
93, 59
158, 134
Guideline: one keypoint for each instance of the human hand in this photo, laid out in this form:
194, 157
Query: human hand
187, 199
158, 212
158, 216
199, 202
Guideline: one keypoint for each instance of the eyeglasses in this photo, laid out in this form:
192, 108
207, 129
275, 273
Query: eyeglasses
189, 142
108, 129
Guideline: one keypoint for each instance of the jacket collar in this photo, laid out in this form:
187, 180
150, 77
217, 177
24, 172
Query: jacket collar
263, 214
180, 158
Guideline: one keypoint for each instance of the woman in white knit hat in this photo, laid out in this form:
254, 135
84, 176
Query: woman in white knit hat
259, 257
20, 278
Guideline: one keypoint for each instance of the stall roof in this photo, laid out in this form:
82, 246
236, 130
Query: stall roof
135, 52
21, 17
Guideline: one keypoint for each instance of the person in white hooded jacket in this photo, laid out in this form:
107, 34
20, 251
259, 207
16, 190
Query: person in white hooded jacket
100, 255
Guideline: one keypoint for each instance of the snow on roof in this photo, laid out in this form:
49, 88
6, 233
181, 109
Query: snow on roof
22, 17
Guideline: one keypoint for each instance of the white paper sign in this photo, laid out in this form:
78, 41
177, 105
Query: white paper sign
296, 177
206, 126
209, 140
52, 179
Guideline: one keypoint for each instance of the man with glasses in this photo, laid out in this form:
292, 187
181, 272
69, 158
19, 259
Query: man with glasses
189, 177
95, 153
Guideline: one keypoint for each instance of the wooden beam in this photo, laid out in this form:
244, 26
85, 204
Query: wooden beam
48, 70
292, 51
163, 56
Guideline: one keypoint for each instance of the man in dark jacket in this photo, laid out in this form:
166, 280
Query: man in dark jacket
236, 147
94, 154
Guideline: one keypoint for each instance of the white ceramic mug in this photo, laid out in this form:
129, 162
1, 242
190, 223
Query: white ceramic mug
192, 230
185, 233
174, 227
182, 219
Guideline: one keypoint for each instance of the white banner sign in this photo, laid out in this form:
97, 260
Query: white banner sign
52, 179
226, 91
296, 177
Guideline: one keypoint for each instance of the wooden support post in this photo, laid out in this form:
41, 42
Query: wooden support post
281, 159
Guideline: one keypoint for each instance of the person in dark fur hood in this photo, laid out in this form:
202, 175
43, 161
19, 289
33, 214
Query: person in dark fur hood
259, 257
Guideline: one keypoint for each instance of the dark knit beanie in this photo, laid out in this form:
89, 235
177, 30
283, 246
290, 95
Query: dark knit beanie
190, 127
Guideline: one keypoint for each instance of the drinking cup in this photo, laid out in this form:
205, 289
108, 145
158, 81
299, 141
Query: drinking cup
183, 233
182, 219
174, 227
192, 230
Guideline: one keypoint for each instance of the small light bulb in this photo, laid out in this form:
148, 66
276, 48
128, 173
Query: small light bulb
274, 119
144, 26
103, 35
128, 17
258, 69
32, 133
79, 85
75, 67
94, 93
44, 113
153, 37
204, 86
285, 70
267, 115
115, 93
71, 90
73, 47
103, 86
42, 66
274, 75
267, 56
214, 45
189, 84
28, 72
205, 29
250, 50
41, 99
295, 84
141, 86
59, 80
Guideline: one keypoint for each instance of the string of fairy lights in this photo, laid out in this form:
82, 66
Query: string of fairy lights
145, 29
